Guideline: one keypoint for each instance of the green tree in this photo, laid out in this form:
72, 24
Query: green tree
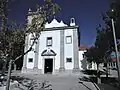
104, 45
3, 16
12, 37
114, 12
93, 55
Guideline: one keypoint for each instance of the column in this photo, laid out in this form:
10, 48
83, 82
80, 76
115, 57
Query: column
62, 65
75, 51
115, 65
36, 55
24, 68
53, 65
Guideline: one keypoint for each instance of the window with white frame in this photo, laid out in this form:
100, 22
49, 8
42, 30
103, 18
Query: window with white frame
49, 41
83, 55
31, 41
68, 60
30, 60
68, 39
114, 64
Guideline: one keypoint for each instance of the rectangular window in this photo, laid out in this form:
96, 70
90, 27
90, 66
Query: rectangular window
49, 41
114, 64
68, 39
105, 65
31, 39
111, 64
83, 55
30, 60
68, 60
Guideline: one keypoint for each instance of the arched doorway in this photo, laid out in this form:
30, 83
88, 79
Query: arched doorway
48, 61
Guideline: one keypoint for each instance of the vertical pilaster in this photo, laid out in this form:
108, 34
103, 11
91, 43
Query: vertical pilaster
25, 56
75, 51
62, 65
53, 66
36, 55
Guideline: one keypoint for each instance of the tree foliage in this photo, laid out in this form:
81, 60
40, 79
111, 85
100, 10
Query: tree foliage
12, 37
93, 55
104, 43
114, 12
103, 46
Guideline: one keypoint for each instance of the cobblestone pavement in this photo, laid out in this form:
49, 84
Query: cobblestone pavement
60, 82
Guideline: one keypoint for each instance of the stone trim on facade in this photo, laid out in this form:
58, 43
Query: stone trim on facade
60, 28
25, 56
32, 71
75, 51
62, 65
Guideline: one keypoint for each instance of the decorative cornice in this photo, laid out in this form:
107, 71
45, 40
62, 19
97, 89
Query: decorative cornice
48, 52
60, 28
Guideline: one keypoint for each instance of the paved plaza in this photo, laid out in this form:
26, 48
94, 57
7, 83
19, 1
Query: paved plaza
58, 81
61, 81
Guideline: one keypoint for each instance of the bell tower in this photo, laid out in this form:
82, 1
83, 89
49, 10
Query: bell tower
72, 22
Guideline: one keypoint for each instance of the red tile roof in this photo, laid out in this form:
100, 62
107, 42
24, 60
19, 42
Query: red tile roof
83, 47
114, 58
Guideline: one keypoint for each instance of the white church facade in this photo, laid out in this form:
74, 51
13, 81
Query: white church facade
56, 51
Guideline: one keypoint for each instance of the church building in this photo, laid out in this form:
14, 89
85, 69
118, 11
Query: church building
57, 49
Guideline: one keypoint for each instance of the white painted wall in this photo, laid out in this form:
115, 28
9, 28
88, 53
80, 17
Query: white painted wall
55, 34
93, 66
30, 54
55, 46
29, 19
81, 52
68, 50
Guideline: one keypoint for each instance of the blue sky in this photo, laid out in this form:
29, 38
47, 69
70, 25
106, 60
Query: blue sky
86, 12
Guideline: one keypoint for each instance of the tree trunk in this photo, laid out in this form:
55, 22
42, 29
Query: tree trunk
98, 75
4, 11
106, 70
14, 66
4, 67
9, 75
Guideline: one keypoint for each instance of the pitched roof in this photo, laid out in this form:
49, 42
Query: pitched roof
114, 58
83, 48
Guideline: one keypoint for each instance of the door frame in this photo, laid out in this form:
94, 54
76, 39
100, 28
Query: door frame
48, 63
43, 64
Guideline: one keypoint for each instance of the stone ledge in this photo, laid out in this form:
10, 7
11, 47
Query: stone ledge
32, 71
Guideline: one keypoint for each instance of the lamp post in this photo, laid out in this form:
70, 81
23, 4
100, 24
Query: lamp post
116, 49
